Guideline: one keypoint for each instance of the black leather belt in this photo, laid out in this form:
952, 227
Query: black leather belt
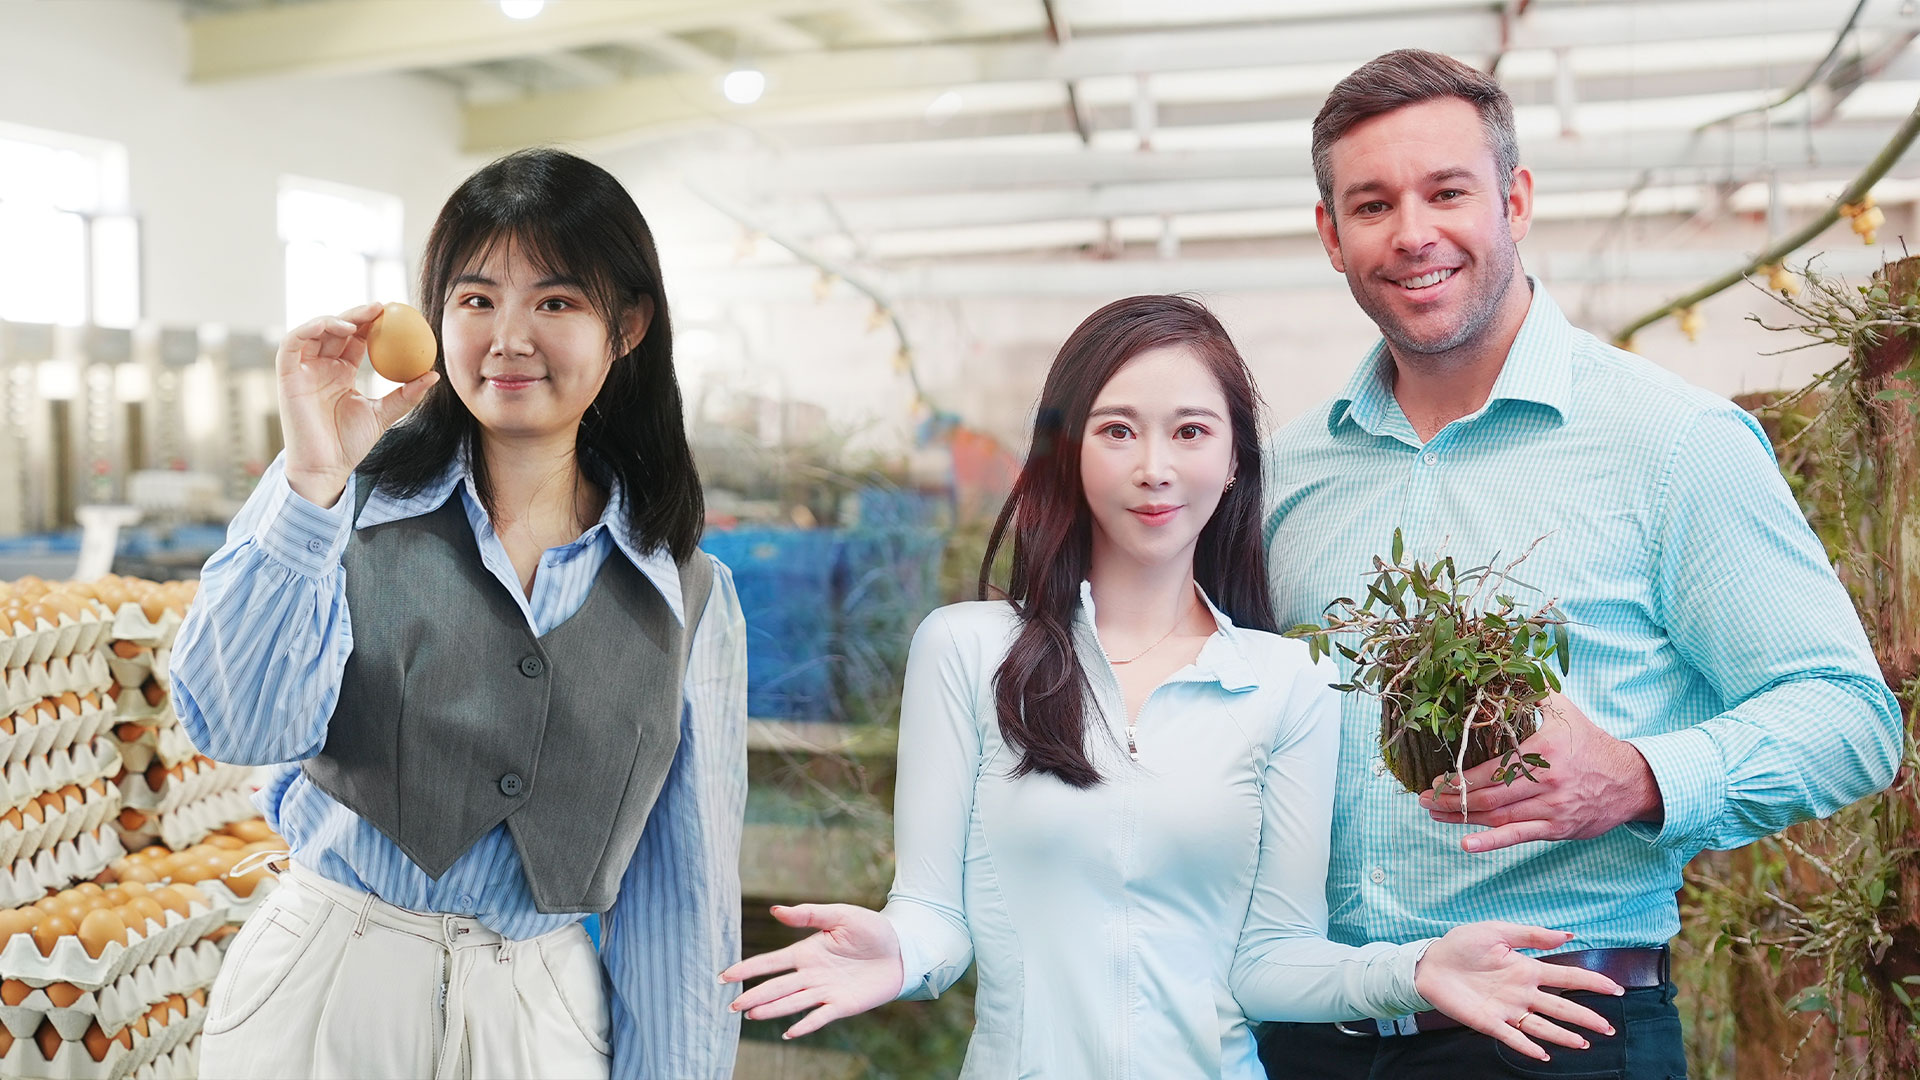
1633, 969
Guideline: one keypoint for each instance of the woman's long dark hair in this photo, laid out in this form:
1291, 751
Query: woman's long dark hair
568, 216
1040, 690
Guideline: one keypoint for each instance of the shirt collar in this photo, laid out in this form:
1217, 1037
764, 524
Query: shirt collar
1222, 659
1539, 369
657, 565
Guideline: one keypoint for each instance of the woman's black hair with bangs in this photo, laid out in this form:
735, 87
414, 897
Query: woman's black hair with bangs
569, 217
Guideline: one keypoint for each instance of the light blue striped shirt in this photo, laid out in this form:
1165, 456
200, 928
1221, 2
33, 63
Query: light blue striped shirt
256, 674
1708, 627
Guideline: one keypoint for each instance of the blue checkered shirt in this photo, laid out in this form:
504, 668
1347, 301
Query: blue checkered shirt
1708, 629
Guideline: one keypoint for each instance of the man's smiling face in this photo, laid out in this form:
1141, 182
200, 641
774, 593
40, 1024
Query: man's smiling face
1420, 226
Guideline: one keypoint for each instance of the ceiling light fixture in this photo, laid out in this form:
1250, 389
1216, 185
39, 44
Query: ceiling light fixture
744, 87
521, 9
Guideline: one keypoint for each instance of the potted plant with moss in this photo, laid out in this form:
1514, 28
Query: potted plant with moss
1459, 667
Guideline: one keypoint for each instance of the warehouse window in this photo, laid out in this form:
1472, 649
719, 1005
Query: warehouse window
72, 249
342, 247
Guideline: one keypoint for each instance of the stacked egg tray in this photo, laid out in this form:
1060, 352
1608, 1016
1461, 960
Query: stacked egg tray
58, 760
109, 980
170, 793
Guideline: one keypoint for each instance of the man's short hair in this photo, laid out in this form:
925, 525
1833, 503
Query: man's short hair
1408, 77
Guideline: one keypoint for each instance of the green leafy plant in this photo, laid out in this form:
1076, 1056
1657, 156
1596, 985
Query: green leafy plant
1459, 668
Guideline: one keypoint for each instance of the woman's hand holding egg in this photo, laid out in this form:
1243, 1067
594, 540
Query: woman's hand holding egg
329, 426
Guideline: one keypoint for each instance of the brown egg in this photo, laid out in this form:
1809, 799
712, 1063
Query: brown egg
52, 802
49, 905
48, 1038
139, 1026
6, 1041
72, 794
156, 775
63, 995
48, 710
139, 875
153, 605
198, 997
17, 921
6, 723
32, 812
96, 1042
12, 817
13, 991
170, 900
50, 930
244, 885
177, 1004
401, 344
188, 895
98, 787
158, 1014
149, 910
155, 851
90, 699
128, 732
221, 840
69, 700
153, 692
101, 928
128, 650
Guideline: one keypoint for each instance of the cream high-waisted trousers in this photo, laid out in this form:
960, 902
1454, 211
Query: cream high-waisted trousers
325, 982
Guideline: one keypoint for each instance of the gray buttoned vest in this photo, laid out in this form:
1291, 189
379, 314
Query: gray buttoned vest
453, 716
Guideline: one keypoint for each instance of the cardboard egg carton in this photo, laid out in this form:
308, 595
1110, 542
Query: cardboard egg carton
73, 820
148, 1047
51, 724
28, 879
131, 663
80, 673
191, 967
68, 962
21, 645
130, 623
145, 702
187, 825
181, 784
80, 763
140, 745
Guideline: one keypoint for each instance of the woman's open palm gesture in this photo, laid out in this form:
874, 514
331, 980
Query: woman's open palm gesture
1474, 975
850, 966
329, 426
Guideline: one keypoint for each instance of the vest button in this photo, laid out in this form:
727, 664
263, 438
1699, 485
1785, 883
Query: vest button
532, 666
511, 785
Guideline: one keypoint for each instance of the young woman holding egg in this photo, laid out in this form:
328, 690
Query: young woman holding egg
1115, 796
503, 685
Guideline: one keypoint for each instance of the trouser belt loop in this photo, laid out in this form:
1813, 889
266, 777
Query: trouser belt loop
366, 909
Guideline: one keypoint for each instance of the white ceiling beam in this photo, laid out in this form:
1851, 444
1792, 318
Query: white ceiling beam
676, 52
808, 217
344, 37
951, 279
850, 172
799, 82
777, 33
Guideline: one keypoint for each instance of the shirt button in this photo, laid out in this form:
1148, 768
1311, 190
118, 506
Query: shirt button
1380, 767
1433, 459
511, 785
466, 901
316, 546
1379, 876
532, 666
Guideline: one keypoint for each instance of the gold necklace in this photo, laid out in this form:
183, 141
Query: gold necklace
1156, 644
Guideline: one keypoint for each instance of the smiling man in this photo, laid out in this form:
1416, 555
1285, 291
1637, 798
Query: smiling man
1722, 687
